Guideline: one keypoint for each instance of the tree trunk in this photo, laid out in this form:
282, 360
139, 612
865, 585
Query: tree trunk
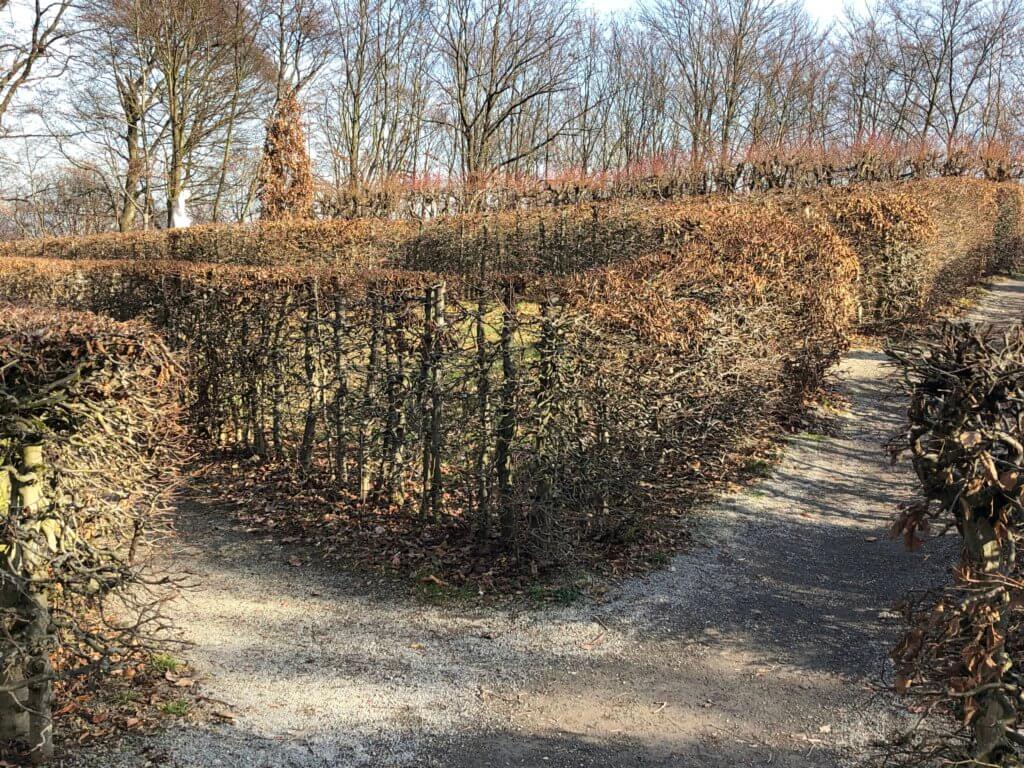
507, 419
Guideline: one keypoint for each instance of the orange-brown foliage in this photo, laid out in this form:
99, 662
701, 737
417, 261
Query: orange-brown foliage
285, 175
596, 367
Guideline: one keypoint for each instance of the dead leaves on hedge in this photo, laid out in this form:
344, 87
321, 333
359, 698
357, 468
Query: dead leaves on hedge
964, 432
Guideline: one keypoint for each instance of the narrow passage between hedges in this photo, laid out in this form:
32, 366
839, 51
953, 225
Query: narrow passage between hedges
761, 646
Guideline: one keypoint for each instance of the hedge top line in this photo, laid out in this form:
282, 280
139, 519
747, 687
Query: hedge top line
554, 239
730, 234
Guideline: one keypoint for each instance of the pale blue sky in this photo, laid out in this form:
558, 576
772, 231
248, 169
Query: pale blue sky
823, 10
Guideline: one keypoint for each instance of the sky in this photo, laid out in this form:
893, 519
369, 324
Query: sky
825, 11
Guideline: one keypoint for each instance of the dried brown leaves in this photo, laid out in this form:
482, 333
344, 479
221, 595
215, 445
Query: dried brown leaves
965, 426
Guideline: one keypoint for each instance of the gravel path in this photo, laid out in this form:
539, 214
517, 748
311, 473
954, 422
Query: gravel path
756, 648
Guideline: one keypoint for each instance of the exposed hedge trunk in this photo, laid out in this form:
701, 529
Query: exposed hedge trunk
84, 399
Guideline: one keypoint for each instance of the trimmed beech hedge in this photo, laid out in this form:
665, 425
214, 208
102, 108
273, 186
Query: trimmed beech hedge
557, 379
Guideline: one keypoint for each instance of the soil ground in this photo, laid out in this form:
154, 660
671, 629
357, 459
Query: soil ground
761, 646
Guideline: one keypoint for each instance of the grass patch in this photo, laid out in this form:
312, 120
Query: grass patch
126, 696
811, 437
164, 662
659, 559
175, 708
758, 467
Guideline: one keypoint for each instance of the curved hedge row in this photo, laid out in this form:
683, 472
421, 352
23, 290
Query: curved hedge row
546, 412
917, 242
535, 412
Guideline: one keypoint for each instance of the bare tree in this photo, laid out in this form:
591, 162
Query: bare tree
26, 47
194, 44
499, 59
112, 94
375, 107
732, 65
929, 70
246, 80
297, 37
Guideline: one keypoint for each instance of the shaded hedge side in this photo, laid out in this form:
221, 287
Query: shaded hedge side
89, 441
922, 246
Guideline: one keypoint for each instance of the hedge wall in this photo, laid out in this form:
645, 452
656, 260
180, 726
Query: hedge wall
923, 245
362, 242
538, 411
89, 430
576, 398
918, 242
